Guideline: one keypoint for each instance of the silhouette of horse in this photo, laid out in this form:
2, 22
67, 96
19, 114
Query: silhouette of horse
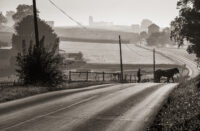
166, 73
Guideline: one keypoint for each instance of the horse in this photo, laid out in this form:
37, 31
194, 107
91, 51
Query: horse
166, 73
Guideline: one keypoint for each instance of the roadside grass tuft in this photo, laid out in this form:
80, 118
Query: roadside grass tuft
182, 109
17, 92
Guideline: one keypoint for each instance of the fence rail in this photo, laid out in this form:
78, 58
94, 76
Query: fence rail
10, 84
74, 76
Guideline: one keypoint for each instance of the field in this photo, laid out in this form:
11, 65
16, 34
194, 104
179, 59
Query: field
104, 57
105, 53
182, 51
93, 34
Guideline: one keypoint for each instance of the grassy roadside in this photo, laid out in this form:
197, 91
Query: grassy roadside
17, 92
182, 110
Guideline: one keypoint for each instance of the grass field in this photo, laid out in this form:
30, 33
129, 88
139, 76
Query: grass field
105, 53
182, 52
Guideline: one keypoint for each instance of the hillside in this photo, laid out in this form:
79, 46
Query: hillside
107, 53
84, 35
94, 35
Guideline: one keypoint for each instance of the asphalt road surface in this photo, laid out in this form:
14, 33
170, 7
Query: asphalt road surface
121, 107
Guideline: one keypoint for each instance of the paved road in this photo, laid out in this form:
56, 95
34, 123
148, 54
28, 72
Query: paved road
121, 107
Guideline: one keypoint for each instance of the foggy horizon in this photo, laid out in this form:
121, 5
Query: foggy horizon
119, 12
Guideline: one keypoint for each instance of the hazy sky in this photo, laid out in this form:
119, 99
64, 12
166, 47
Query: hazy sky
122, 12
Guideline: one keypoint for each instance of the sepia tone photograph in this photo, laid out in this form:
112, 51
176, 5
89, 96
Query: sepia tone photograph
99, 65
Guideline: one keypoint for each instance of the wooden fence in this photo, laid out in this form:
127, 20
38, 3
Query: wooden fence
10, 84
74, 76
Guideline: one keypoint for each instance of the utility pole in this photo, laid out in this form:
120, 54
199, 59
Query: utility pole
121, 64
154, 64
35, 23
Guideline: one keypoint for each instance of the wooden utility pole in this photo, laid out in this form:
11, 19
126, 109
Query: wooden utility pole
35, 23
121, 61
154, 64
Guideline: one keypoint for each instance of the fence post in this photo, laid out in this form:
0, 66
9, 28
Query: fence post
13, 83
130, 78
103, 76
135, 79
87, 76
70, 76
118, 76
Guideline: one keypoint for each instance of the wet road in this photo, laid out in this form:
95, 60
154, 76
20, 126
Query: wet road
119, 107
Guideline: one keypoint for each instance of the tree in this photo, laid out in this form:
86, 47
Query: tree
9, 17
39, 66
186, 26
159, 39
143, 35
24, 30
23, 11
153, 39
2, 19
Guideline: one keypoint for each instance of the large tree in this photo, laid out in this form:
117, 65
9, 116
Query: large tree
143, 35
24, 30
186, 26
23, 11
159, 39
41, 63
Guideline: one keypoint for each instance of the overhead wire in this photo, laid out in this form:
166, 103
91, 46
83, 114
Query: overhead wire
70, 17
84, 27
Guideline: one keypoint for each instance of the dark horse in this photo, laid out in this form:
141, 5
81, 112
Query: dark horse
165, 73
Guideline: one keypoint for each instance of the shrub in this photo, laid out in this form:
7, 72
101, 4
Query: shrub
39, 66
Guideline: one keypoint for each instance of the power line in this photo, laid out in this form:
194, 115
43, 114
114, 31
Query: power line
133, 50
71, 18
78, 23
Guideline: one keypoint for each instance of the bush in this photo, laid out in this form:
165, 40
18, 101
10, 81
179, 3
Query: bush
39, 66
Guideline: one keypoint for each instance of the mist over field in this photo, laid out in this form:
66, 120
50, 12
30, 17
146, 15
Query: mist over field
106, 53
